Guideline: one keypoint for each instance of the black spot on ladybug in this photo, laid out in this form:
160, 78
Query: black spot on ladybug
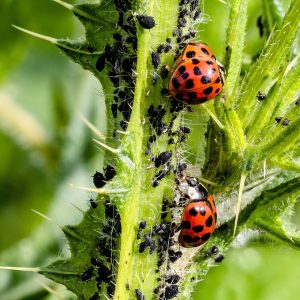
196, 239
181, 69
195, 61
155, 59
99, 180
189, 84
198, 228
193, 212
100, 63
175, 83
171, 291
209, 221
217, 80
205, 79
87, 275
197, 71
146, 22
205, 237
209, 62
208, 90
202, 100
219, 258
185, 225
185, 75
205, 52
192, 95
187, 238
215, 217
139, 295
191, 54
217, 91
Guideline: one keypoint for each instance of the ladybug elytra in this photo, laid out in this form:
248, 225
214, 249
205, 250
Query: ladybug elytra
197, 75
199, 218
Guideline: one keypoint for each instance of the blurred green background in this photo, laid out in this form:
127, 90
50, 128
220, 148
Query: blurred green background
44, 146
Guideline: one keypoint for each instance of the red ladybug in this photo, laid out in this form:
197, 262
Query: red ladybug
198, 222
197, 76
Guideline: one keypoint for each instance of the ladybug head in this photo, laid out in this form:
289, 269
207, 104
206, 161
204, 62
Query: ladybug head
196, 190
222, 72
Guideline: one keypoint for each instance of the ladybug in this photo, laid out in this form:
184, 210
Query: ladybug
199, 218
197, 75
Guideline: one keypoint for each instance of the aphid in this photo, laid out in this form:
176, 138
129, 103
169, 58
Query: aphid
87, 275
197, 76
260, 25
212, 251
181, 22
260, 96
93, 204
146, 22
100, 63
110, 172
161, 48
155, 59
139, 295
197, 14
199, 218
174, 255
168, 48
171, 291
219, 258
164, 72
162, 158
173, 279
297, 102
143, 224
98, 180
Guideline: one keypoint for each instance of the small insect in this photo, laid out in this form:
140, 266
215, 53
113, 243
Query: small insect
98, 180
87, 275
139, 295
260, 96
197, 76
100, 63
155, 59
199, 218
146, 22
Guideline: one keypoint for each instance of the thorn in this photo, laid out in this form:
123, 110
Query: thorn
115, 151
43, 216
239, 201
213, 116
77, 11
208, 181
22, 269
90, 125
123, 132
265, 168
101, 191
38, 35
78, 208
55, 41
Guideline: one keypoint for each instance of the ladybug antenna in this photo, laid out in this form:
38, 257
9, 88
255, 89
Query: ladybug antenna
239, 201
